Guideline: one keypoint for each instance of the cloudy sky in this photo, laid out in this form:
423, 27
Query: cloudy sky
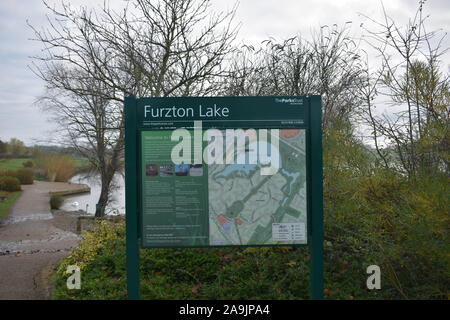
260, 19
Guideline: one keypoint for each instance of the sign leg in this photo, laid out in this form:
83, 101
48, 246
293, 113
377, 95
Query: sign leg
131, 213
316, 245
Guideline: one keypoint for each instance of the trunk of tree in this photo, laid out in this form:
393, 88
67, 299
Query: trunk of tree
104, 195
108, 170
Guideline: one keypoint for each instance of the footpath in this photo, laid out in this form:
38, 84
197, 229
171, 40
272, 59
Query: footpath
32, 240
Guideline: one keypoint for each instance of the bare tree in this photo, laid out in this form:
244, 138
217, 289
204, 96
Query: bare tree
92, 125
328, 65
410, 78
92, 59
368, 91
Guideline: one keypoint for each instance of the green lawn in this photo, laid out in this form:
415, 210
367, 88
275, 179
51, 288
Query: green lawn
80, 162
6, 204
17, 163
13, 164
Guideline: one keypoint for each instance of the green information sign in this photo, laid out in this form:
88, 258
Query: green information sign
223, 171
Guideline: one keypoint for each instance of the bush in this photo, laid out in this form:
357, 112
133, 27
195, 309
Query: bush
8, 173
25, 176
28, 164
56, 202
386, 219
10, 184
91, 245
59, 168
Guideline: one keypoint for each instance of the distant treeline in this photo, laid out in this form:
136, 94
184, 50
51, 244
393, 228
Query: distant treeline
15, 148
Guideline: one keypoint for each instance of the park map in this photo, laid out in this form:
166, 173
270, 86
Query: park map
248, 208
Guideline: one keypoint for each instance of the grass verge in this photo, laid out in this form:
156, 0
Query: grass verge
13, 164
6, 204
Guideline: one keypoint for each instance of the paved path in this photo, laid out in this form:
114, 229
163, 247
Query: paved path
32, 240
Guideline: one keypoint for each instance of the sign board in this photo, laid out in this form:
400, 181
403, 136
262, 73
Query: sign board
223, 171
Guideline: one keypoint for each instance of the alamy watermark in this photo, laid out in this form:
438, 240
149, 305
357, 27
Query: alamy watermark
374, 280
229, 146
74, 280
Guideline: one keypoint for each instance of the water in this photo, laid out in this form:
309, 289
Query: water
247, 168
89, 200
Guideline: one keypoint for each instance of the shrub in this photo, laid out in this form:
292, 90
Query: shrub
91, 245
56, 202
25, 176
58, 168
10, 184
8, 173
28, 164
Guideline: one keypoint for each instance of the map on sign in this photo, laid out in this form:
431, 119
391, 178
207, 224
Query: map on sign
249, 208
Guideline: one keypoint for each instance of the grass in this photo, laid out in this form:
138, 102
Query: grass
225, 274
13, 164
209, 273
6, 204
80, 165
80, 162
17, 163
194, 274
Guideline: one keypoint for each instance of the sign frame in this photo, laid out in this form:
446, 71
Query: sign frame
314, 170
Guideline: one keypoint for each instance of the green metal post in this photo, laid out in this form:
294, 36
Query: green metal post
131, 214
316, 245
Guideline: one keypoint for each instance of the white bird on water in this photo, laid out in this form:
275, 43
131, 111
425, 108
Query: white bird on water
75, 204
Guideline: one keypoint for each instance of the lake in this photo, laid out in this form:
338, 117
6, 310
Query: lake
88, 201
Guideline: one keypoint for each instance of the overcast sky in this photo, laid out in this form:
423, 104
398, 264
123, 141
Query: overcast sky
260, 19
